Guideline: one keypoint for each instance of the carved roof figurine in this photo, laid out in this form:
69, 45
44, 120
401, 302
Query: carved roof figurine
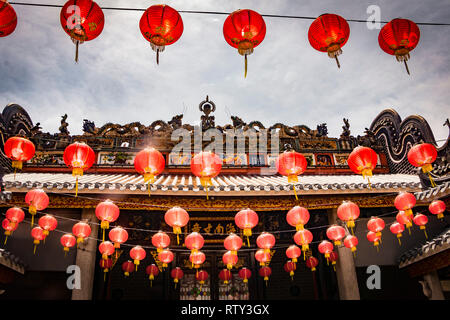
89, 127
207, 107
322, 130
238, 123
176, 122
36, 129
63, 128
345, 130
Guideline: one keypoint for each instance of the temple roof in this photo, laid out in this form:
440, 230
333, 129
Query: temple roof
11, 261
222, 185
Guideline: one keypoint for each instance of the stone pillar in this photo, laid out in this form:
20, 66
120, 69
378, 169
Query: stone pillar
86, 259
432, 286
345, 268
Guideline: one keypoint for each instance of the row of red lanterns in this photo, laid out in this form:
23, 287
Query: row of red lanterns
161, 25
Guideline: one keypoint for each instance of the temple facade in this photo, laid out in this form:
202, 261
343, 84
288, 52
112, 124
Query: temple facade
416, 269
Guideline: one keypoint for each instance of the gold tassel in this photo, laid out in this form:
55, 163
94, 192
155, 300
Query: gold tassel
406, 65
157, 56
76, 188
245, 74
295, 192
76, 50
337, 61
34, 251
6, 239
433, 184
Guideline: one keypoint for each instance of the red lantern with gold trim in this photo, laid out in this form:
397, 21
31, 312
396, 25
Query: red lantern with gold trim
206, 165
374, 238
150, 163
333, 258
336, 233
81, 230
348, 212
37, 200
303, 238
197, 259
194, 241
376, 225
233, 243
329, 33
107, 212
229, 259
82, 20
405, 201
106, 248
67, 241
137, 253
437, 207
291, 164
265, 241
265, 273
244, 30
399, 37
166, 257
78, 156
312, 263
152, 271
290, 267
38, 235
15, 215
47, 223
177, 218
351, 242
201, 277
9, 227
405, 219
160, 240
225, 275
177, 274
8, 19
325, 248
421, 220
262, 257
118, 235
293, 252
397, 229
362, 160
297, 217
127, 268
106, 264
246, 220
18, 149
161, 25
422, 156
245, 274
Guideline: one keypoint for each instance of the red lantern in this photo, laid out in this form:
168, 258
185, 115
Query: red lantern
405, 201
47, 223
106, 212
297, 217
229, 259
333, 258
206, 165
149, 162
265, 272
437, 207
293, 252
161, 25
160, 240
15, 215
329, 33
376, 225
348, 212
244, 30
194, 241
225, 275
201, 277
137, 253
127, 267
152, 271
245, 274
8, 19
166, 257
176, 274
233, 243
265, 241
82, 20
38, 234
36, 199
336, 233
246, 219
423, 155
105, 264
312, 263
351, 242
197, 258
362, 160
421, 220
118, 235
326, 247
290, 267
404, 218
291, 164
18, 149
9, 227
262, 257
106, 248
303, 238
373, 237
399, 37
78, 156
397, 229
177, 218
81, 230
68, 241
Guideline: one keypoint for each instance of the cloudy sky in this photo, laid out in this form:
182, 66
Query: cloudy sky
117, 79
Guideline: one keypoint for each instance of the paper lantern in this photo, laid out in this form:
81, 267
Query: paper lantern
351, 242
160, 240
312, 263
421, 220
326, 247
38, 235
106, 212
206, 165
105, 264
68, 241
399, 37
106, 248
422, 156
329, 33
397, 229
9, 227
127, 267
201, 277
81, 230
150, 163
405, 201
161, 25
265, 241
177, 274
225, 275
348, 212
78, 156
297, 217
177, 218
262, 257
374, 238
152, 271
245, 274
194, 241
333, 258
166, 257
197, 259
376, 225
229, 259
293, 252
118, 235
15, 215
265, 273
363, 160
244, 30
290, 267
82, 20
405, 219
303, 238
137, 253
47, 223
437, 207
291, 164
246, 220
336, 233
233, 243
8, 19
37, 200
17, 149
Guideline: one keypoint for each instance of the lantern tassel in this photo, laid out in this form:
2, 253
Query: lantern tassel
148, 188
406, 65
76, 50
370, 185
433, 184
245, 74
151, 284
337, 61
76, 188
425, 231
157, 56
295, 192
34, 250
248, 242
6, 239
32, 220
409, 230
351, 228
399, 242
